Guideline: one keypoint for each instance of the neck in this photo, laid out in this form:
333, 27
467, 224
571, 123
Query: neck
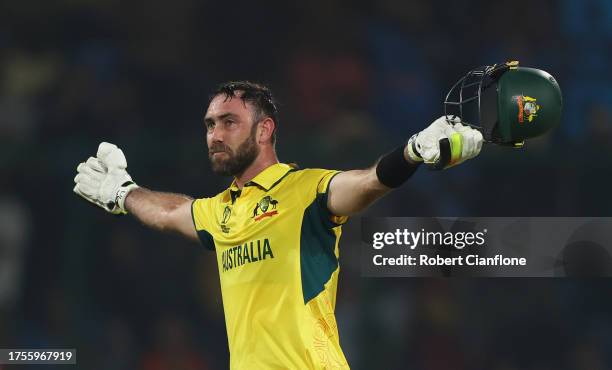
262, 162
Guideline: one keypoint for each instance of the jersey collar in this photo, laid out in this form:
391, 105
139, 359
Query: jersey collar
267, 178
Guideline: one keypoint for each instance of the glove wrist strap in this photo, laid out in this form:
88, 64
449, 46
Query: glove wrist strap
412, 151
122, 194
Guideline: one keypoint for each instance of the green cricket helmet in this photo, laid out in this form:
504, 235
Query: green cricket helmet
507, 103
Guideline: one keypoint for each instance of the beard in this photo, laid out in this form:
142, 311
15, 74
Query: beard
235, 163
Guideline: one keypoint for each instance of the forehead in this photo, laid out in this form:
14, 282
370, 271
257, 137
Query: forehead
222, 105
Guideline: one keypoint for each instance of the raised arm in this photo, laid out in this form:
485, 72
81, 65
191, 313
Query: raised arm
104, 181
445, 143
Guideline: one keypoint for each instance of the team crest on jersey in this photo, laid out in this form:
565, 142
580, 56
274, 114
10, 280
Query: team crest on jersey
527, 107
227, 213
267, 207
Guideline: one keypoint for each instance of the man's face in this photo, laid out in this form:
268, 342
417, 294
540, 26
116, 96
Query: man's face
230, 135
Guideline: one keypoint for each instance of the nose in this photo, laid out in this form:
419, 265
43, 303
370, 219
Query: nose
215, 134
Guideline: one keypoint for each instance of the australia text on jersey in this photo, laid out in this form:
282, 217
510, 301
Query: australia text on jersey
249, 252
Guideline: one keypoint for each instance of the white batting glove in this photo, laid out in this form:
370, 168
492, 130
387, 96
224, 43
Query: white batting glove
445, 143
104, 181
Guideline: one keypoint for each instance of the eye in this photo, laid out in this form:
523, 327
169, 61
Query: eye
210, 125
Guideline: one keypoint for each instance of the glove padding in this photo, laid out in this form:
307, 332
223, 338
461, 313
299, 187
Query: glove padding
445, 143
104, 181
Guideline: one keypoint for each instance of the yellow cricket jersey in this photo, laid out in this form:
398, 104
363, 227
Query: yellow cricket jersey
277, 252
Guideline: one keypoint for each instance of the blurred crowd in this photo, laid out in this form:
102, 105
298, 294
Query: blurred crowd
354, 79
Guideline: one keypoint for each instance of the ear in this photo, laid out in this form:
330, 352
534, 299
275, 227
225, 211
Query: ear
266, 128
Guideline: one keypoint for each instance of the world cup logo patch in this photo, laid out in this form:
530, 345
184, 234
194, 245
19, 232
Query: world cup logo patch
227, 213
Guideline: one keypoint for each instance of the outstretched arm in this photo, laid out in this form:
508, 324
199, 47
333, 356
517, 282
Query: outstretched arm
445, 143
162, 211
104, 181
353, 191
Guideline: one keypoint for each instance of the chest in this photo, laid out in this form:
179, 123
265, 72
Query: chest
257, 215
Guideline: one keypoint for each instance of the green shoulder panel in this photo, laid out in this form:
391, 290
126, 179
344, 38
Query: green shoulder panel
317, 243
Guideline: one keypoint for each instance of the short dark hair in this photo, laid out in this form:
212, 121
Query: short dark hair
257, 94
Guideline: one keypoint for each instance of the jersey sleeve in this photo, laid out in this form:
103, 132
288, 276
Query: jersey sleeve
201, 213
320, 179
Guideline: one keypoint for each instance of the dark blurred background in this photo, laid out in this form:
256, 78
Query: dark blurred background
354, 79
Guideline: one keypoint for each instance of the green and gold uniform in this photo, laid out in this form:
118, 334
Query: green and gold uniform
277, 252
